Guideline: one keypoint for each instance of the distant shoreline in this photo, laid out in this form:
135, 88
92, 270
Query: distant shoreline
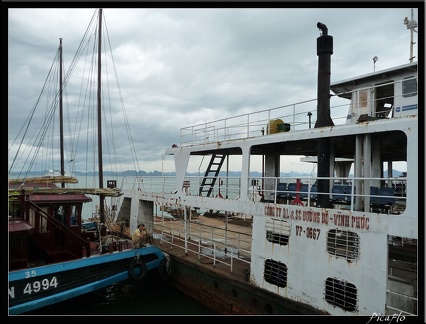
133, 173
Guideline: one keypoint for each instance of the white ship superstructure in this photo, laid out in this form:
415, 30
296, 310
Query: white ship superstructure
342, 240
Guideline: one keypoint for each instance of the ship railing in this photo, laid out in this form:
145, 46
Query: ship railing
297, 116
301, 115
163, 184
219, 245
386, 194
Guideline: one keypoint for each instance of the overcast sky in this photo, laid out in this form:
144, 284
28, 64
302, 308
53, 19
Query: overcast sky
179, 67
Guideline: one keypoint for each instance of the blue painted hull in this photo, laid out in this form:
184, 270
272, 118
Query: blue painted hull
37, 287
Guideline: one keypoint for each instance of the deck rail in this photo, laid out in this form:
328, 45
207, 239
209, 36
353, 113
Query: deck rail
296, 116
386, 195
215, 243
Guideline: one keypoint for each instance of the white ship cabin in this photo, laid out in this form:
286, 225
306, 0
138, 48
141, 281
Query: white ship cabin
390, 93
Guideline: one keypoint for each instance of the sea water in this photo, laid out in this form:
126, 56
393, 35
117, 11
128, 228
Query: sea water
152, 297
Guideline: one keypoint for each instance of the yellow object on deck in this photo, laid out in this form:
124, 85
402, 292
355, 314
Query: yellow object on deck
277, 126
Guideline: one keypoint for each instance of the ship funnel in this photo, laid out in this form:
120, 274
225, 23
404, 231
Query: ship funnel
323, 28
324, 52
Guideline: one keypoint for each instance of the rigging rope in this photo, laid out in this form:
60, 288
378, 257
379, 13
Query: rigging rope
32, 153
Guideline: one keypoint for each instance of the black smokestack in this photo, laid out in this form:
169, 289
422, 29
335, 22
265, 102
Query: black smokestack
324, 52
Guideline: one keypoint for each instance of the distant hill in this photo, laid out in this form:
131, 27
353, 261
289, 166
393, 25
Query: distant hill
130, 173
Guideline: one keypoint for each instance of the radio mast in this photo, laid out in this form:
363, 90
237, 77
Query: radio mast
411, 25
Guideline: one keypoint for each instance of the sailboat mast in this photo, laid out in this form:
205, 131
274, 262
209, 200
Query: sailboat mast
101, 179
61, 116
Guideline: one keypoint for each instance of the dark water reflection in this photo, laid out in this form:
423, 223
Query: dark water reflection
126, 298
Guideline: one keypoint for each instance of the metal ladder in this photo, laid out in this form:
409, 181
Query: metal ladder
211, 174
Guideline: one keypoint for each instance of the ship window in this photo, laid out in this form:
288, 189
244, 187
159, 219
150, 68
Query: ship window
60, 214
278, 231
409, 87
341, 294
343, 244
363, 99
73, 218
275, 273
14, 209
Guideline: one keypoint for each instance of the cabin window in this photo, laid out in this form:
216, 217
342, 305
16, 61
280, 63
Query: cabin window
39, 220
43, 221
363, 98
73, 216
275, 273
343, 244
341, 294
277, 231
14, 209
409, 87
60, 214
384, 99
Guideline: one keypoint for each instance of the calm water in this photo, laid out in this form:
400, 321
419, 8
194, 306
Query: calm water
149, 298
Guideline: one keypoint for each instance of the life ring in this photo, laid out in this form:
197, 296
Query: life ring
138, 275
165, 269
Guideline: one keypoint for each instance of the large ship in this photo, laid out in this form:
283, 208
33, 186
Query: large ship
341, 241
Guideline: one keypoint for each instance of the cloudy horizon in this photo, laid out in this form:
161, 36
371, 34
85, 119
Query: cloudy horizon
183, 66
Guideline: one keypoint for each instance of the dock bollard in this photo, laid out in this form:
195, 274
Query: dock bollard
246, 274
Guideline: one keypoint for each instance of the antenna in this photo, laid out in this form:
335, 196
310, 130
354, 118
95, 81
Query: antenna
374, 61
411, 25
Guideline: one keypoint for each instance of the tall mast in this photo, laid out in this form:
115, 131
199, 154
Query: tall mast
411, 25
61, 116
101, 178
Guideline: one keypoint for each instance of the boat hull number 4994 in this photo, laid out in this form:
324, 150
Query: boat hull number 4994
33, 287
